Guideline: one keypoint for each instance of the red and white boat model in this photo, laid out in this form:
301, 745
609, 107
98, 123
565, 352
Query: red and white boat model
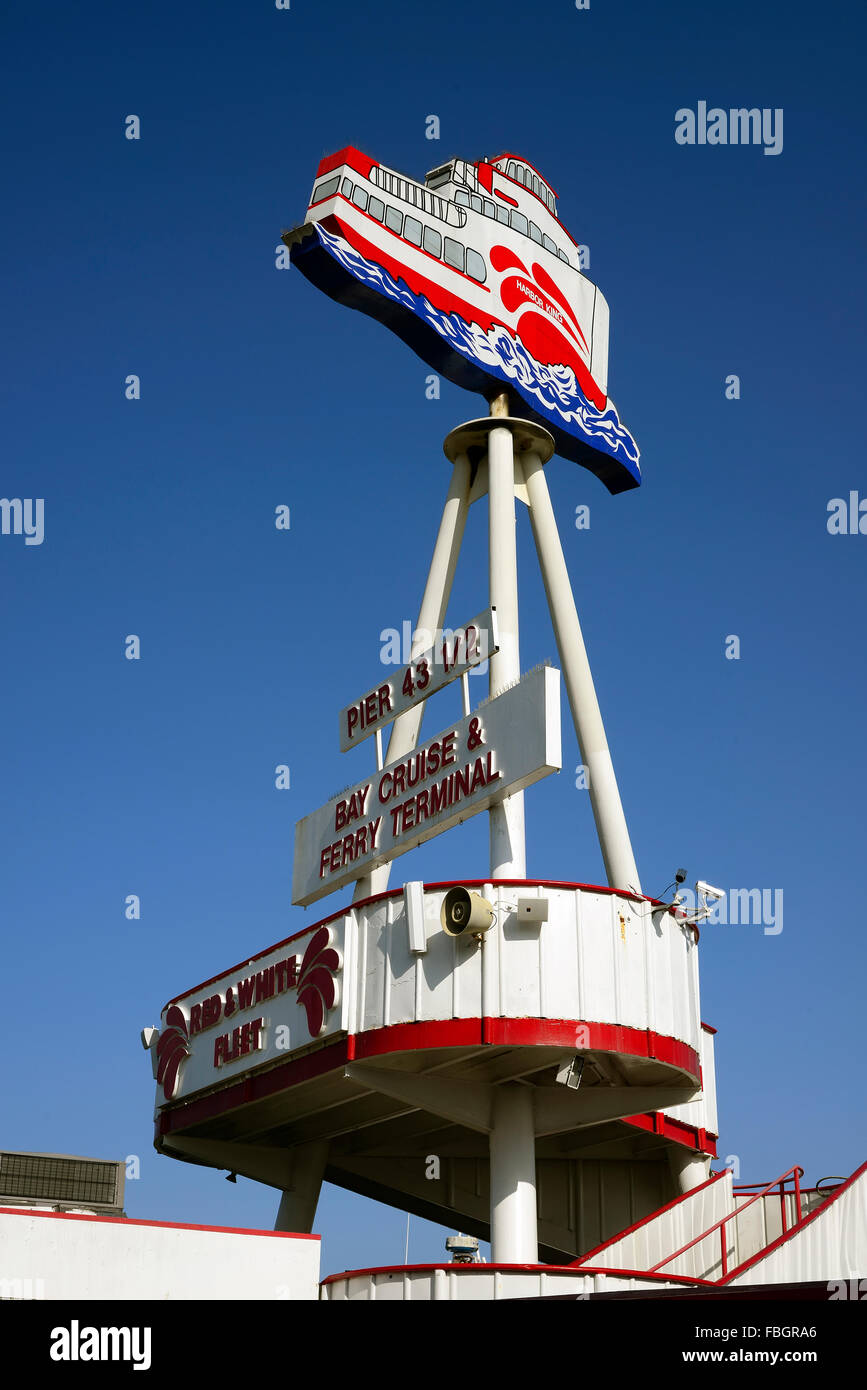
474, 270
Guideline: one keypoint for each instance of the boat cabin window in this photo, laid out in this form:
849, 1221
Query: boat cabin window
563, 256
412, 230
511, 169
325, 190
377, 209
393, 220
346, 188
359, 197
518, 221
475, 265
433, 242
453, 253
475, 202
462, 198
535, 233
490, 208
503, 215
549, 245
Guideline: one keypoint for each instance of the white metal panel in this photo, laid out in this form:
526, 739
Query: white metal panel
402, 967
598, 959
760, 1222
596, 971
600, 999
559, 959
701, 1113
629, 933
666, 964
520, 991
375, 918
601, 330
669, 1230
83, 1258
475, 1284
832, 1246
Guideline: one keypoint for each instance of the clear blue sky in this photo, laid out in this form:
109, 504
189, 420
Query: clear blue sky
156, 777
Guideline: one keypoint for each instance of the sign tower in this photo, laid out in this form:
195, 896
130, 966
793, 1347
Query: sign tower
522, 1059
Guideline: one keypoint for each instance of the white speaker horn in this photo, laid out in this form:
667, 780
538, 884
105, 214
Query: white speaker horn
465, 914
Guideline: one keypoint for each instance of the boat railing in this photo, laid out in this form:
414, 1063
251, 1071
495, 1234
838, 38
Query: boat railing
431, 202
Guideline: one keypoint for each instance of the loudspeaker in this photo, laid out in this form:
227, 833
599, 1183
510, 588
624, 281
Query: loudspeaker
464, 913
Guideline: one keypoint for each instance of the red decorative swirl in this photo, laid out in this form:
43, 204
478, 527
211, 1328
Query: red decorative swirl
543, 279
503, 258
316, 987
172, 1050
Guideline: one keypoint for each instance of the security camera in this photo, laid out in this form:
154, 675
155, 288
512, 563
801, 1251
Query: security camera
680, 876
532, 909
465, 914
570, 1072
707, 890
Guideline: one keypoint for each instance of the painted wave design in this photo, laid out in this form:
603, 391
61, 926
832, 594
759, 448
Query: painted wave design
554, 388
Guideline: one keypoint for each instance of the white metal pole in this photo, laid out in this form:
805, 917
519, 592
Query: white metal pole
512, 1146
604, 795
297, 1210
405, 729
508, 847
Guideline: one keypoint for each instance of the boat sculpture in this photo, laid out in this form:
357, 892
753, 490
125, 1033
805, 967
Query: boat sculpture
473, 270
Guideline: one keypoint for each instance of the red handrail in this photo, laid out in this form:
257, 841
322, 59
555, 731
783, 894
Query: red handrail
795, 1173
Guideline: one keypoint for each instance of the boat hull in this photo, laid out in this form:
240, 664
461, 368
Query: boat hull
487, 358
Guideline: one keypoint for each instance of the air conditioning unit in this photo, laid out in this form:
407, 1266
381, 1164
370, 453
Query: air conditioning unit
62, 1181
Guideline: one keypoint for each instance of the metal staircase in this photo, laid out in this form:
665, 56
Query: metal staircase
745, 1221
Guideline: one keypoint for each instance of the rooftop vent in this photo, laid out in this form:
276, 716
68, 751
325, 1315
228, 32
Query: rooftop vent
61, 1181
435, 178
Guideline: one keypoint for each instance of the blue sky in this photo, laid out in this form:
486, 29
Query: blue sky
155, 777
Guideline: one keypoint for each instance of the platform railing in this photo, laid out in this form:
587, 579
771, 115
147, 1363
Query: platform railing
795, 1174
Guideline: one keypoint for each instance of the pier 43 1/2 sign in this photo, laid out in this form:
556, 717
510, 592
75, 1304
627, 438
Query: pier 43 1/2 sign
511, 742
